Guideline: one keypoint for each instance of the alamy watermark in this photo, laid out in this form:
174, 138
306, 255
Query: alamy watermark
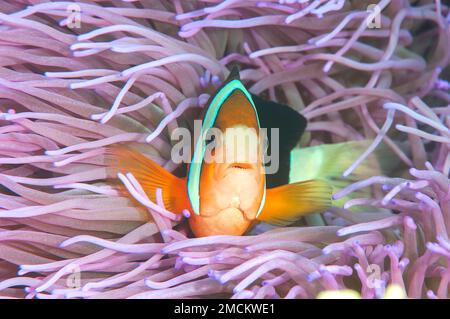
374, 281
73, 16
233, 145
73, 280
374, 18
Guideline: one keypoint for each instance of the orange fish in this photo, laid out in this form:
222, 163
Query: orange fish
226, 188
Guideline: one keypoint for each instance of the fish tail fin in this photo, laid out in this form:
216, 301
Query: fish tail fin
151, 176
286, 204
329, 161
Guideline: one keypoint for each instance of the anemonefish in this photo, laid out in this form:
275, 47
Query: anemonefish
227, 195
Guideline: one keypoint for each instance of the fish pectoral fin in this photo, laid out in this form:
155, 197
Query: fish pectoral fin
150, 175
286, 204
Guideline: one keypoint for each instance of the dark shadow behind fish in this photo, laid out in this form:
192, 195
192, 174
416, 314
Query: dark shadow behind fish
290, 125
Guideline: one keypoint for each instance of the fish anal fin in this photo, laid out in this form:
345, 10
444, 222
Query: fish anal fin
151, 176
286, 204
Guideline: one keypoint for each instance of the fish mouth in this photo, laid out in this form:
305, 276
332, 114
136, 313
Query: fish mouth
237, 211
240, 165
239, 168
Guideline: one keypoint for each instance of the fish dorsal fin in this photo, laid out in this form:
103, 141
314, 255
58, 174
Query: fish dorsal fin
234, 75
209, 120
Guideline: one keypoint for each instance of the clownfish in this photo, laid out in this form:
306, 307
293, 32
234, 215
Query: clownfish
226, 189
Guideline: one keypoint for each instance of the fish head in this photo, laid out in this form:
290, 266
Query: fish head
226, 176
233, 178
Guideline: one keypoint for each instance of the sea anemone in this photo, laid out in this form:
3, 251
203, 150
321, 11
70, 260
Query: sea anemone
77, 77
